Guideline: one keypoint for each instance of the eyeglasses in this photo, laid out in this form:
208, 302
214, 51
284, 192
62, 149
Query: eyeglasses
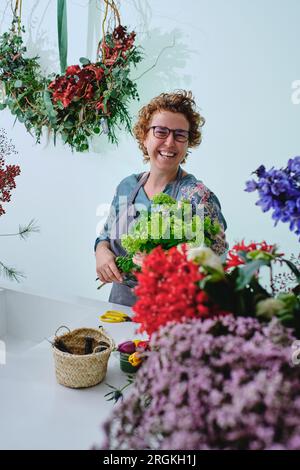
162, 133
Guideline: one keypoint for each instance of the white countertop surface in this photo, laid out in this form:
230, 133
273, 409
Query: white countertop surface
38, 413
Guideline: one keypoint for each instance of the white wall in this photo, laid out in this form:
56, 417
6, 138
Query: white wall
239, 57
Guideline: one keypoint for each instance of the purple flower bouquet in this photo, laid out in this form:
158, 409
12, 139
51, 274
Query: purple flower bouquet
279, 191
215, 384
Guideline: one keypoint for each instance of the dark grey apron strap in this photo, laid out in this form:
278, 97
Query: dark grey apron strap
121, 294
176, 185
143, 180
135, 191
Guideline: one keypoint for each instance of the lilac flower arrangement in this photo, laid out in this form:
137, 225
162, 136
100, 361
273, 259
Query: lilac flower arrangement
279, 191
223, 383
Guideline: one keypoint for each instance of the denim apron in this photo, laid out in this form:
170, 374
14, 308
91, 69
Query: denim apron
120, 293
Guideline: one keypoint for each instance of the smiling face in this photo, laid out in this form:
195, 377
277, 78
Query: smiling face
166, 154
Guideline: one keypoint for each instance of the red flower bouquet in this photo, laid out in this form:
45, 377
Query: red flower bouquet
168, 290
90, 98
176, 285
239, 252
8, 173
85, 82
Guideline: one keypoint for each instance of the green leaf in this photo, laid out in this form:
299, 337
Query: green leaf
115, 71
84, 147
286, 319
296, 290
49, 107
293, 268
62, 30
2, 106
68, 125
222, 293
246, 272
64, 136
60, 105
84, 61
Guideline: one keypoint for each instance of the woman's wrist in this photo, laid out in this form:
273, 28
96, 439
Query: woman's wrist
103, 246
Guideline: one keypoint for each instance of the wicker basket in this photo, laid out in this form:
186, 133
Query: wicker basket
79, 370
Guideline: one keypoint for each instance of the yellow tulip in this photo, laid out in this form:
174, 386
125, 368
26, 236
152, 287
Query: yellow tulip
135, 359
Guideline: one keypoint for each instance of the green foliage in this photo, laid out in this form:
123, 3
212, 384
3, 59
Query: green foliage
125, 264
168, 224
24, 83
240, 292
163, 198
10, 273
117, 393
290, 313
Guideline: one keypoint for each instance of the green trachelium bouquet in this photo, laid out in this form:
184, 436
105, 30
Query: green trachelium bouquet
169, 223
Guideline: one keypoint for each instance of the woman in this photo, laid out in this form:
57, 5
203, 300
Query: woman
166, 128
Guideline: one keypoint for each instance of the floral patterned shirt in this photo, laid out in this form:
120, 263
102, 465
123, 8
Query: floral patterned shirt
190, 188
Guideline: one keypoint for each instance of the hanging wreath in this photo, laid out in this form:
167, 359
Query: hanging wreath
85, 100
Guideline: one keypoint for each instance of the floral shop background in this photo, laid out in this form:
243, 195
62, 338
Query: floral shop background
240, 59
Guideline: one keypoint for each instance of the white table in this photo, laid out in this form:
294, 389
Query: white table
38, 413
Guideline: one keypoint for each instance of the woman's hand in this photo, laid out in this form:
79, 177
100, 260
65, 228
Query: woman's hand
106, 267
138, 258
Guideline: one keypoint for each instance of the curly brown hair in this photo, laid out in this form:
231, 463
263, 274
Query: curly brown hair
181, 101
